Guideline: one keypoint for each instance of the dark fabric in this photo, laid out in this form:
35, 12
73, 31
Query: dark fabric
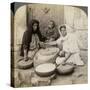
52, 33
27, 36
25, 42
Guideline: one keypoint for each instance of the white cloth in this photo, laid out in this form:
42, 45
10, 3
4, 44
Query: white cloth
35, 42
34, 45
70, 44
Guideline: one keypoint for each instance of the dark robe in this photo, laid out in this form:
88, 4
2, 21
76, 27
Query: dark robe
27, 37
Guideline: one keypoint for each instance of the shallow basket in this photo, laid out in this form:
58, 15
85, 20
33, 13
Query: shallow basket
65, 69
45, 69
46, 56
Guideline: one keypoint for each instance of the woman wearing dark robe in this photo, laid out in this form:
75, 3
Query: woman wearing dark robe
31, 39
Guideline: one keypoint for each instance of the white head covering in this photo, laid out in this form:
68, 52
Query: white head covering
68, 28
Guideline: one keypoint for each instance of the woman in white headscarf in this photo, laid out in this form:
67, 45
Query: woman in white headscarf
69, 50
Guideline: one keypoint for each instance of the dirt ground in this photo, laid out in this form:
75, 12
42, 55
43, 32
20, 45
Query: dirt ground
79, 76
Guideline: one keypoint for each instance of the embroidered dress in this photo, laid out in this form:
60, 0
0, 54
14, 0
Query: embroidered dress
34, 45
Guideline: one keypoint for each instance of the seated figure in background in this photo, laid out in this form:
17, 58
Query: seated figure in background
51, 31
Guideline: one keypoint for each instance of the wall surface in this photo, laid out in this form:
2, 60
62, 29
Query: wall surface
77, 20
19, 25
45, 12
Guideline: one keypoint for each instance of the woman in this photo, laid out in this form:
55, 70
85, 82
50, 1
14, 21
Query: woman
51, 31
69, 53
31, 40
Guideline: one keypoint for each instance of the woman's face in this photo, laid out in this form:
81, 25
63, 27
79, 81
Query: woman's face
35, 26
51, 24
63, 31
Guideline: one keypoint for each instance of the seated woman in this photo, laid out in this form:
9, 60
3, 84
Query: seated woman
31, 40
70, 50
51, 31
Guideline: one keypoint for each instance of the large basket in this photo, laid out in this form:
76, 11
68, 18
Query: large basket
46, 56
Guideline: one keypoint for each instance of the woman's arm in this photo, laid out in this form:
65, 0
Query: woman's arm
67, 55
25, 42
25, 54
51, 43
44, 45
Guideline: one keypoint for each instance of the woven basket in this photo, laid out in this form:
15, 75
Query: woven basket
46, 69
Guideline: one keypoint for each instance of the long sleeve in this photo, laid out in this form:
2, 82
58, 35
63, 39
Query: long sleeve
25, 42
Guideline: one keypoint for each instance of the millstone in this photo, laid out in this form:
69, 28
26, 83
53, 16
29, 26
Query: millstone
22, 64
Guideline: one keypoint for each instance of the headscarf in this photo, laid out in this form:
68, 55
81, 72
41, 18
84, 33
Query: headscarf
69, 29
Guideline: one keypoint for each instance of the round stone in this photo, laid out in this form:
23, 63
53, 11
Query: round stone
22, 64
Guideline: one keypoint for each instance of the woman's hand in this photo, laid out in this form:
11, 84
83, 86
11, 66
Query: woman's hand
66, 58
26, 59
63, 63
51, 39
51, 43
42, 44
62, 54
